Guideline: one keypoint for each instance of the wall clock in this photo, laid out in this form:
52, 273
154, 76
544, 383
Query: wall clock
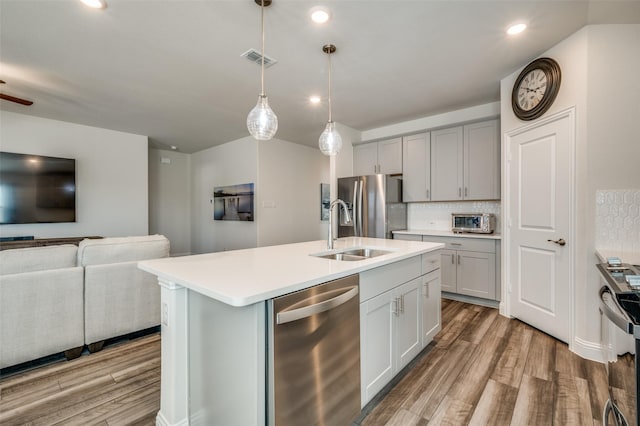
535, 89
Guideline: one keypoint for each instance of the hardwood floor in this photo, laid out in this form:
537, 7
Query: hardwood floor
487, 369
482, 369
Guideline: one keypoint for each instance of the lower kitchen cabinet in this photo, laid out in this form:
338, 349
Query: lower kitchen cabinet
431, 306
469, 273
393, 321
469, 266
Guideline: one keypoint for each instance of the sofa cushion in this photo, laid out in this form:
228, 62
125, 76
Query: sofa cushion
122, 249
33, 259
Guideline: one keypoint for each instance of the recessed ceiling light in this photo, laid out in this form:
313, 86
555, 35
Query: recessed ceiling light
319, 15
516, 29
96, 4
314, 99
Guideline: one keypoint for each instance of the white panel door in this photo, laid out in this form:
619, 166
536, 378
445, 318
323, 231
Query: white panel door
446, 164
540, 179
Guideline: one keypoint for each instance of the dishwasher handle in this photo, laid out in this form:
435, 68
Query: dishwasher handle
609, 308
286, 315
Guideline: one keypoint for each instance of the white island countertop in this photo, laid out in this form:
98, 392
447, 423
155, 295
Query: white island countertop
628, 256
245, 277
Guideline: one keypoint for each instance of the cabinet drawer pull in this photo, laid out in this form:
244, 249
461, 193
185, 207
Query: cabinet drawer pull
456, 244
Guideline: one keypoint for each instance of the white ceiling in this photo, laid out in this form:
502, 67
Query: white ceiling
172, 69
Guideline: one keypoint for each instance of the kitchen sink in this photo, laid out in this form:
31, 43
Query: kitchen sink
353, 254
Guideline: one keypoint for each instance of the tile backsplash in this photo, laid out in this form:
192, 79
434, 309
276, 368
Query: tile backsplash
618, 219
437, 216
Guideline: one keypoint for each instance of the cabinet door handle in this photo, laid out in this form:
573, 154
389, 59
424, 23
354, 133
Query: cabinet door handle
402, 304
395, 307
458, 259
428, 194
466, 191
453, 259
459, 192
426, 290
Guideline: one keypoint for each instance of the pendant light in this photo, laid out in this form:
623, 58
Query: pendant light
330, 140
262, 121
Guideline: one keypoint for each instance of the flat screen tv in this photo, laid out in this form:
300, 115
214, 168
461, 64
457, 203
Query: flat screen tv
37, 189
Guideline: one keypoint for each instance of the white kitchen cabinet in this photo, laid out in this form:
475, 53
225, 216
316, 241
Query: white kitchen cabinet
465, 162
431, 306
446, 164
481, 161
416, 168
468, 265
392, 318
383, 157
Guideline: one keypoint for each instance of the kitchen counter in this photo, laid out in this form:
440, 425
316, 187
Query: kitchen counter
216, 321
440, 233
243, 277
630, 257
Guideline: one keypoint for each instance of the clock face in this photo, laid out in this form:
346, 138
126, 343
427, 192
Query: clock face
532, 89
535, 89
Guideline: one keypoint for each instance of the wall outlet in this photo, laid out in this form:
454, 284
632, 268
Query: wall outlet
165, 314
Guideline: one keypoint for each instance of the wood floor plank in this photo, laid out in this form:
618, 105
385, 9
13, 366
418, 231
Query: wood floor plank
569, 402
434, 386
510, 365
475, 331
534, 405
451, 412
403, 417
541, 360
495, 406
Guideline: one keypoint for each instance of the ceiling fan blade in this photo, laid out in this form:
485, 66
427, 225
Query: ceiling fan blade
14, 99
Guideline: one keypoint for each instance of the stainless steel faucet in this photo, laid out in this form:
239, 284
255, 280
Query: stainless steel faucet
347, 216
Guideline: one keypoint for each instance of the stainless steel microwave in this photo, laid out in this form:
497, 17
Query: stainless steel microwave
478, 223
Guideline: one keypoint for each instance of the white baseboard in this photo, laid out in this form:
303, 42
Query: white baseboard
161, 420
470, 299
588, 350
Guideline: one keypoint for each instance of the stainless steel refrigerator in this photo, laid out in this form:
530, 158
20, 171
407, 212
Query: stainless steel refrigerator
375, 204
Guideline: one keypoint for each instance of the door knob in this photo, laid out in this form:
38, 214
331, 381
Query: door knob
559, 242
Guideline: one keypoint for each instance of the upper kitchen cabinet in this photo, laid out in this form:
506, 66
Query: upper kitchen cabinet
465, 162
446, 164
416, 167
481, 161
383, 157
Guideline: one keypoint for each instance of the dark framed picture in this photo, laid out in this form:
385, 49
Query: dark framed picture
233, 202
325, 201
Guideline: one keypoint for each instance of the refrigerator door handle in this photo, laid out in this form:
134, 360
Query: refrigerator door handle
360, 209
354, 206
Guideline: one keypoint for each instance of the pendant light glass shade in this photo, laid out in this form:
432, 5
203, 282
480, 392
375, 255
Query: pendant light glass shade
330, 140
262, 121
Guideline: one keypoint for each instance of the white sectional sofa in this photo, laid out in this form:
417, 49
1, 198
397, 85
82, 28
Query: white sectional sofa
60, 298
119, 298
41, 303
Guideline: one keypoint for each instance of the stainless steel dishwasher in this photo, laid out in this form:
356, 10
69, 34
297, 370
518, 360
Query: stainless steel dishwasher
314, 355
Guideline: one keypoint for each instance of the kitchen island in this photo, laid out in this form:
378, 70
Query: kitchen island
215, 361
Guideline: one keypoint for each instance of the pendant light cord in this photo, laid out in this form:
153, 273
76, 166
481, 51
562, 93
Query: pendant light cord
329, 85
262, 31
